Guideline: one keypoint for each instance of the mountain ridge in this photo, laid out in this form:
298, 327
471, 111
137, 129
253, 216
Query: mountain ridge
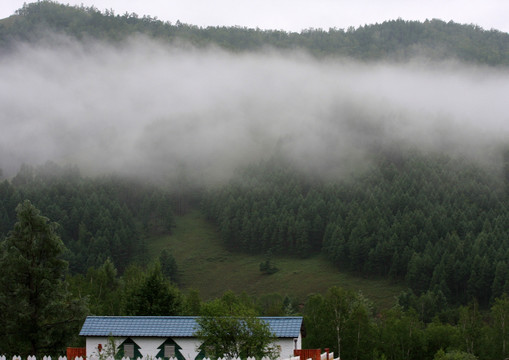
398, 39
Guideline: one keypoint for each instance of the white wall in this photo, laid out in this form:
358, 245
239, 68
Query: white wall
149, 345
93, 342
287, 346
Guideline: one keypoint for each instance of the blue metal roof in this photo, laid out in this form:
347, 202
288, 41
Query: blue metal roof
172, 326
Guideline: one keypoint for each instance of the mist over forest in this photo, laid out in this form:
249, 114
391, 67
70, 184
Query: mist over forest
147, 108
382, 151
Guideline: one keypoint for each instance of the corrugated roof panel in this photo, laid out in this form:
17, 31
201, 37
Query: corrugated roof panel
167, 326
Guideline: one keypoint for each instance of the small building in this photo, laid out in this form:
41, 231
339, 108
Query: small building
170, 336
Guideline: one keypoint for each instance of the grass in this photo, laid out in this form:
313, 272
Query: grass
205, 265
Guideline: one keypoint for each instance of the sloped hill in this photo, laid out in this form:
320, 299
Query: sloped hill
393, 39
204, 264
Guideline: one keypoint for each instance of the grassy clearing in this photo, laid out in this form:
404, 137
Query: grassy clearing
206, 266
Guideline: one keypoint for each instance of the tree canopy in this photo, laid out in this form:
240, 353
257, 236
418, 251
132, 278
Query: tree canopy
390, 40
230, 329
436, 222
153, 294
100, 218
38, 313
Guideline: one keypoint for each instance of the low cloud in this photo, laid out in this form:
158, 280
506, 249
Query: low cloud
149, 109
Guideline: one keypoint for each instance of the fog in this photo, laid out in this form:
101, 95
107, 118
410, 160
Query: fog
147, 109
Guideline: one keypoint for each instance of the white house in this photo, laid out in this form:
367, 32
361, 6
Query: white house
170, 336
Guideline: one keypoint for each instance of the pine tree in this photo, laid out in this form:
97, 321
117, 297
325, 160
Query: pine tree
168, 265
38, 314
153, 294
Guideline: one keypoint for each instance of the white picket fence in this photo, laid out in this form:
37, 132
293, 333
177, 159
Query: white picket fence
17, 357
329, 357
3, 357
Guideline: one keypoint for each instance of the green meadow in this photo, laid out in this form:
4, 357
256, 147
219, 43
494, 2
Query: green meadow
205, 265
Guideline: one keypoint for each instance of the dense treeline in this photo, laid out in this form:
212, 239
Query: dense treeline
438, 222
395, 39
99, 218
345, 322
418, 326
38, 313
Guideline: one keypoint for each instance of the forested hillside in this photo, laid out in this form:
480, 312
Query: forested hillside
394, 39
382, 148
99, 218
437, 222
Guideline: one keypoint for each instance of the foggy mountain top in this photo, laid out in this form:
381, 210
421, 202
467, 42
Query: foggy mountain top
144, 108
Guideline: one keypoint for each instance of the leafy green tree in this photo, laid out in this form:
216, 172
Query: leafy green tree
153, 294
453, 355
500, 316
101, 287
192, 303
427, 306
271, 304
315, 321
341, 321
232, 337
230, 329
339, 305
39, 315
359, 343
168, 265
441, 336
470, 326
401, 335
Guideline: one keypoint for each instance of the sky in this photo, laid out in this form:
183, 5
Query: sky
296, 15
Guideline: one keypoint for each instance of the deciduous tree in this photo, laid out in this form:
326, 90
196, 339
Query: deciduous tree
229, 329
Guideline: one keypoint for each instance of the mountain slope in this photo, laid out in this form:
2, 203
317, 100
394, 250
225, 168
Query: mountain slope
394, 39
204, 264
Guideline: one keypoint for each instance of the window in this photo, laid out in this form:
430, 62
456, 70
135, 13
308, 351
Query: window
169, 351
129, 350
